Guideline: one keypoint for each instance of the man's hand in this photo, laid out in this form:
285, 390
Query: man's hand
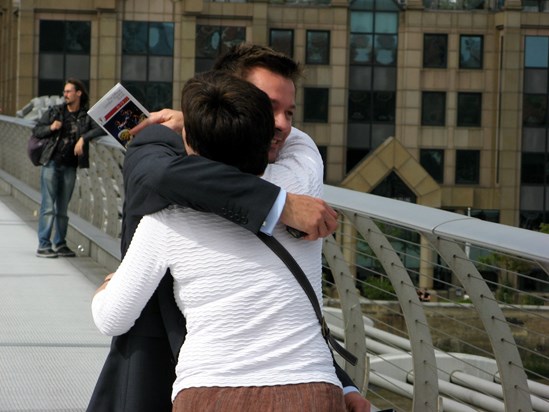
167, 117
56, 125
104, 284
79, 147
310, 215
356, 403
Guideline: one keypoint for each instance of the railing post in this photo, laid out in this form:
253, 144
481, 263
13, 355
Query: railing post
423, 355
353, 321
513, 377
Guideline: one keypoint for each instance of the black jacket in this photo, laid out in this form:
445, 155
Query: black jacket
88, 130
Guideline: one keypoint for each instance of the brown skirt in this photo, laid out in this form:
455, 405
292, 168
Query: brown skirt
305, 397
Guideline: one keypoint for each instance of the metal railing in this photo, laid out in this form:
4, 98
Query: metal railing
480, 343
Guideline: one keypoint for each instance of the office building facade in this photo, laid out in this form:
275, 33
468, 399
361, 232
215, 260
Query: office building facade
438, 102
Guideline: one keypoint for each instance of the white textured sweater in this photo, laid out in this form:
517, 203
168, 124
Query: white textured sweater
249, 323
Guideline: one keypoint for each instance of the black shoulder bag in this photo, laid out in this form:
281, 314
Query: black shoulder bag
294, 267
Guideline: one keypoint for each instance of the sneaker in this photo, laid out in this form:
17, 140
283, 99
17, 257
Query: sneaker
46, 253
64, 251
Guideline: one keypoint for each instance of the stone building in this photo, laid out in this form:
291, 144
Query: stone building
441, 102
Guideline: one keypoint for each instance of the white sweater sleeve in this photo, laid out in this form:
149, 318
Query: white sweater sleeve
298, 167
116, 308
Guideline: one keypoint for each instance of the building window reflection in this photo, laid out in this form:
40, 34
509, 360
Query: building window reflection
373, 40
467, 167
432, 160
64, 51
433, 108
282, 40
147, 62
471, 50
315, 104
435, 50
212, 41
469, 109
317, 47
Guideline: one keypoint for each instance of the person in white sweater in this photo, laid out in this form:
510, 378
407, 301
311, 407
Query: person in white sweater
253, 341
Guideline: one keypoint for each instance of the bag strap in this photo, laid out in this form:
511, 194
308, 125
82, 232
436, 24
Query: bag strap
302, 279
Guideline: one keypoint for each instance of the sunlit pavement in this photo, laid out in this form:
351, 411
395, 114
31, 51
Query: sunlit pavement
50, 351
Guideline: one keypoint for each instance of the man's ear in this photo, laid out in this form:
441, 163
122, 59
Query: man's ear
188, 149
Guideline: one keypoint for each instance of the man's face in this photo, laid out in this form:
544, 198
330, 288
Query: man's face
71, 95
281, 91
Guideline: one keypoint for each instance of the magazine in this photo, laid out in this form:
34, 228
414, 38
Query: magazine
117, 112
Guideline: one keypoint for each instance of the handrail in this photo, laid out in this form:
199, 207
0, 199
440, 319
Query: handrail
526, 243
441, 242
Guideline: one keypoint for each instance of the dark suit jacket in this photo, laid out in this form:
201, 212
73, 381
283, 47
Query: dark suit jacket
140, 368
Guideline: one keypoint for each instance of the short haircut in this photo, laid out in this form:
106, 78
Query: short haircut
242, 58
228, 120
79, 86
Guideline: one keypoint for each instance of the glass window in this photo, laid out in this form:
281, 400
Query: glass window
386, 22
385, 78
531, 219
77, 37
282, 40
534, 139
52, 67
534, 168
318, 47
433, 108
531, 197
147, 62
134, 37
470, 51
354, 156
315, 105
536, 51
64, 51
534, 109
55, 30
469, 113
394, 187
160, 69
359, 135
535, 80
77, 66
384, 105
432, 161
360, 78
489, 215
467, 167
161, 39
360, 107
156, 95
212, 41
385, 49
435, 50
361, 48
362, 22
380, 133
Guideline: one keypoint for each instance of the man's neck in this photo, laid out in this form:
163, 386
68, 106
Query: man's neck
73, 107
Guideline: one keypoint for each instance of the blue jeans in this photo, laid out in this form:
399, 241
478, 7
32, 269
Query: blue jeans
56, 187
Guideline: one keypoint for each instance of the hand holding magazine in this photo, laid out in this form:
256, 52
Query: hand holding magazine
117, 112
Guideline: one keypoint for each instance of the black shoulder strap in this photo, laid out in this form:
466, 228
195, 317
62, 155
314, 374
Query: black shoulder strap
302, 279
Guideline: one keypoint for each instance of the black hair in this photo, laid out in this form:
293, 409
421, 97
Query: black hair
228, 120
80, 86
